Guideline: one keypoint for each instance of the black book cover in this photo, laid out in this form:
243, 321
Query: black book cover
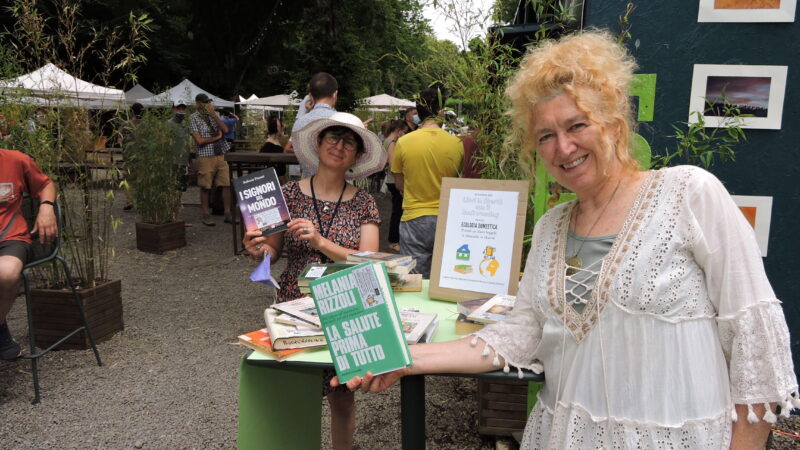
261, 201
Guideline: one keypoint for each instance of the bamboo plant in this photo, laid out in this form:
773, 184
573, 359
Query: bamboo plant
60, 134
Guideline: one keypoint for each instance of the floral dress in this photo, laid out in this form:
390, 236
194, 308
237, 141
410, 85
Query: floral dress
344, 229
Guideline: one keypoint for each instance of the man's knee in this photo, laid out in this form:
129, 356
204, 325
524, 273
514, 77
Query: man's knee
10, 271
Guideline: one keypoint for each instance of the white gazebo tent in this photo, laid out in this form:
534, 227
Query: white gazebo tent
184, 92
386, 102
51, 86
274, 102
243, 100
137, 92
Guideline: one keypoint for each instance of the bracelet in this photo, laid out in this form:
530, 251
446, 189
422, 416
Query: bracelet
47, 202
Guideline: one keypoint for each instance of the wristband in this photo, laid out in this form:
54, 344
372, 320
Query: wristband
47, 202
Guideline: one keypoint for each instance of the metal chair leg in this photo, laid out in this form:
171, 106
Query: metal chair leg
31, 339
78, 303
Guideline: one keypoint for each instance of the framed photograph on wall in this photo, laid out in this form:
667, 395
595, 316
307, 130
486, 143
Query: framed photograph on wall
477, 250
758, 212
755, 90
746, 11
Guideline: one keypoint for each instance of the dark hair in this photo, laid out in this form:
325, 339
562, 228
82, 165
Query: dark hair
385, 127
341, 130
322, 85
431, 100
395, 125
137, 109
272, 125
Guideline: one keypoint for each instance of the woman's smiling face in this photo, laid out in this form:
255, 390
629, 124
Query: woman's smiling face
569, 144
341, 154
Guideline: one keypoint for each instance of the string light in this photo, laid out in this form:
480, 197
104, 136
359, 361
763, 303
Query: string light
263, 31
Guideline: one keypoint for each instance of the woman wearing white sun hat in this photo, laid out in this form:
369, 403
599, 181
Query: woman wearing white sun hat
331, 218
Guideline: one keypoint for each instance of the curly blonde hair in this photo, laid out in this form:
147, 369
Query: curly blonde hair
592, 69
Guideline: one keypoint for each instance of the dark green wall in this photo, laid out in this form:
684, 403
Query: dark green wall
670, 42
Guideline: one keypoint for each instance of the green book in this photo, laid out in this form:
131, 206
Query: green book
313, 271
360, 319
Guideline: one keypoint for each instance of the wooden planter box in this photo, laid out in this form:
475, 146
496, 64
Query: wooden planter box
503, 407
55, 314
160, 238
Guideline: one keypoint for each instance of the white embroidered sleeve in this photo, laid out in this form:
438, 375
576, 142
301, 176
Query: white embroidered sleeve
516, 338
752, 327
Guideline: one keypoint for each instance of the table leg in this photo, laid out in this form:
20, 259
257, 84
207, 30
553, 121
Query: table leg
233, 205
412, 412
279, 407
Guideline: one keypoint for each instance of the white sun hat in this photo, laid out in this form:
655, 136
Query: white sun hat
306, 143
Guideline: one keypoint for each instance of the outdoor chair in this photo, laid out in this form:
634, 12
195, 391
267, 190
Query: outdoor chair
46, 253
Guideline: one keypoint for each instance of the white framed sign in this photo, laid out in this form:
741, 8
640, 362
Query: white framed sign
478, 247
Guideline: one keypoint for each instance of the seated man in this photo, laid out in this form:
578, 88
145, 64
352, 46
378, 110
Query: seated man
18, 174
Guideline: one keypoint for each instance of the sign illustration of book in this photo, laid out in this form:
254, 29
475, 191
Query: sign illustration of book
360, 320
261, 201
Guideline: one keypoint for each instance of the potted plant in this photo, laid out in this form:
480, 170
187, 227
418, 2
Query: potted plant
57, 127
156, 151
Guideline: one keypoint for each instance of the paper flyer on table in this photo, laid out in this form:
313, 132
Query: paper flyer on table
478, 245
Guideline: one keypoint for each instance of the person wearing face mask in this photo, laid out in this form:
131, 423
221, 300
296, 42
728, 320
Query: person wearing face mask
411, 118
208, 131
421, 159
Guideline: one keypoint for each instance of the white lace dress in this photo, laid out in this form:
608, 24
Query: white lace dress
682, 324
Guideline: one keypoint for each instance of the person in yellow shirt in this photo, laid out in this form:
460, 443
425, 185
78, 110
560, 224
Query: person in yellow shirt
421, 159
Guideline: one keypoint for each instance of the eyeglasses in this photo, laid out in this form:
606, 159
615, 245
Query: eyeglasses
348, 143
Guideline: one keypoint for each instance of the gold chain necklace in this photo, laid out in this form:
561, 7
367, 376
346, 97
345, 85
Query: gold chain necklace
575, 262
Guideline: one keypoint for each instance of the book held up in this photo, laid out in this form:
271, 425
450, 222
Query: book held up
261, 201
361, 322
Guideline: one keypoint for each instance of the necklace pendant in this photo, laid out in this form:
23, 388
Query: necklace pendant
325, 208
573, 265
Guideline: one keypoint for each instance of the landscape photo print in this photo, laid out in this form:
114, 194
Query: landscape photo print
746, 10
756, 91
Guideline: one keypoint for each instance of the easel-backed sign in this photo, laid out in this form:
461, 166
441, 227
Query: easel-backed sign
478, 247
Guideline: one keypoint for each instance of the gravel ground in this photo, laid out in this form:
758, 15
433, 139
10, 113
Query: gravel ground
170, 379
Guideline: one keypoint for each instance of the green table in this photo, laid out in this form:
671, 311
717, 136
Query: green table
280, 402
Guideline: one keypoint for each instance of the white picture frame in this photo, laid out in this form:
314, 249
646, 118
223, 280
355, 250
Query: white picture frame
738, 11
758, 212
478, 244
759, 89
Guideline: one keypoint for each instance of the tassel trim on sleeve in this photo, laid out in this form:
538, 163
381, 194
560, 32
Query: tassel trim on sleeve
792, 401
536, 367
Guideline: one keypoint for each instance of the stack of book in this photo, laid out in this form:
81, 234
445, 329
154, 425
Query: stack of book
418, 327
294, 325
399, 278
398, 267
474, 314
313, 271
260, 341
